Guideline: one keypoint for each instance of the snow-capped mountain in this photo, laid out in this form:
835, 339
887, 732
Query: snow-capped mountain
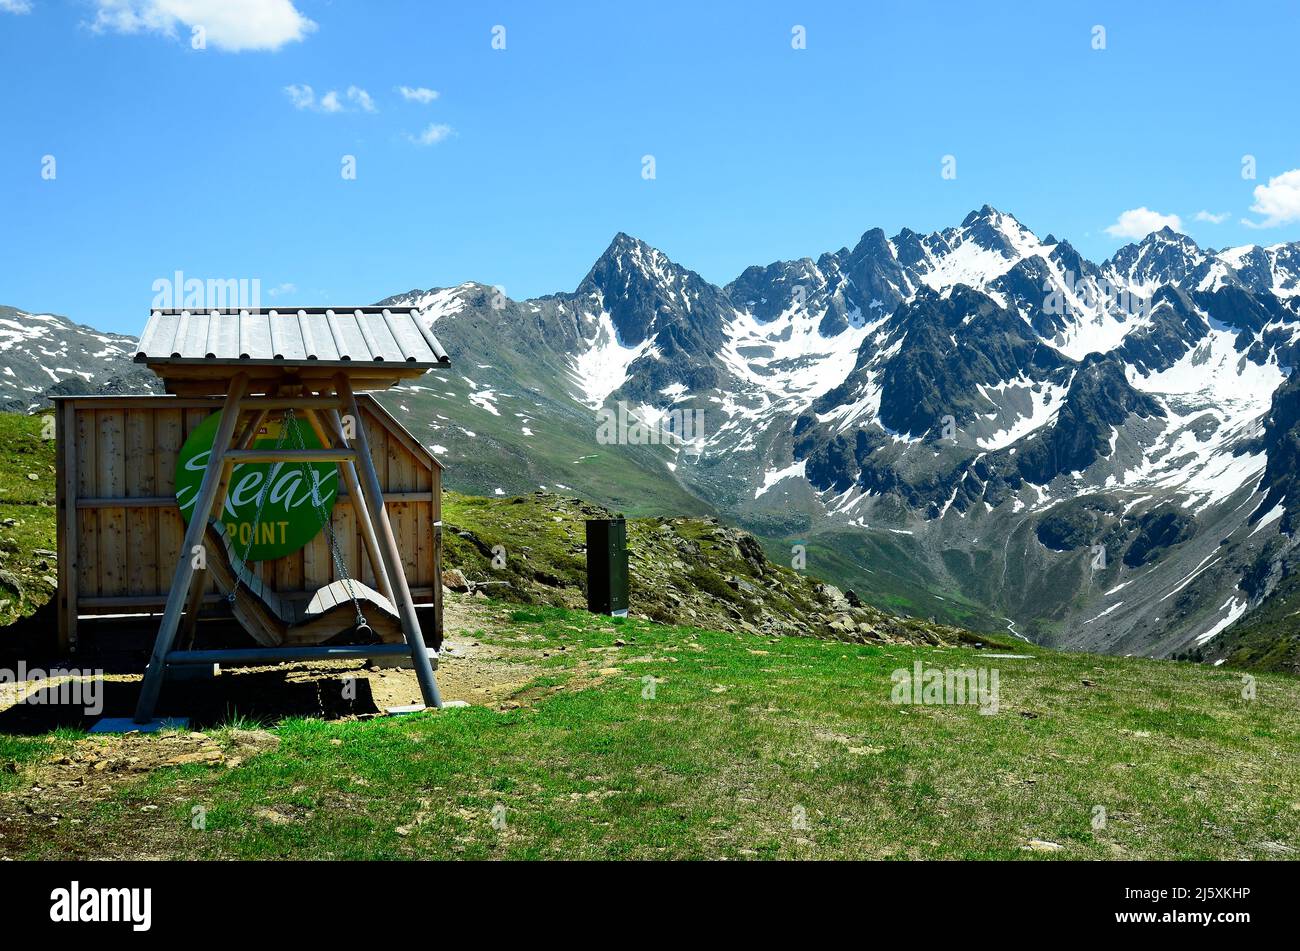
976, 423
42, 355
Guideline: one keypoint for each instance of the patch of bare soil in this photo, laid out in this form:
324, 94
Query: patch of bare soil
97, 760
67, 786
469, 671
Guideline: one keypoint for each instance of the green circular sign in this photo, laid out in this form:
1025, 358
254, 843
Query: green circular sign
289, 517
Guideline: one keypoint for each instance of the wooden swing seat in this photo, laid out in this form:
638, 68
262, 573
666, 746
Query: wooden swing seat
274, 621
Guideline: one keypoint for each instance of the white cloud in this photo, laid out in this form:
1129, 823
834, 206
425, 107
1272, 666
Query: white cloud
418, 94
231, 25
433, 134
1278, 201
286, 288
1214, 219
1137, 223
361, 99
304, 97
16, 6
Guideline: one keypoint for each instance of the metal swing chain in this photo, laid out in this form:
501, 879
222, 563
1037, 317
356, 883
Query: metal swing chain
340, 565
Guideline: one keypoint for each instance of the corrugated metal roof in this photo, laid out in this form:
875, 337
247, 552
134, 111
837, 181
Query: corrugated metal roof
354, 336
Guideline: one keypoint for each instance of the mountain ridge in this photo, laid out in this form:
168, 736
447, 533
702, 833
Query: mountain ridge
941, 401
837, 375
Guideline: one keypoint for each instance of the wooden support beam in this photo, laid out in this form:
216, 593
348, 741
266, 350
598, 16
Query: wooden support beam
273, 402
183, 576
66, 450
249, 432
374, 499
135, 402
293, 402
364, 521
436, 498
243, 457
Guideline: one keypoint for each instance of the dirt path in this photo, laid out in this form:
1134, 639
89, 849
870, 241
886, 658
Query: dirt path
468, 670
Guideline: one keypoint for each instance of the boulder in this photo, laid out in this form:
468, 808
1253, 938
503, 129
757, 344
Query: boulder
455, 580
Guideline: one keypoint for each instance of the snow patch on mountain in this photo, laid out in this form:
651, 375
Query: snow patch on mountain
602, 367
1216, 399
772, 476
1045, 400
1236, 607
45, 353
789, 357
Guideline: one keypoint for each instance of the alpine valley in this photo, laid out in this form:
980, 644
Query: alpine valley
976, 425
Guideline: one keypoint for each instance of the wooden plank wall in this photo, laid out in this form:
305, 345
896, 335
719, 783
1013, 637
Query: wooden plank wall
113, 451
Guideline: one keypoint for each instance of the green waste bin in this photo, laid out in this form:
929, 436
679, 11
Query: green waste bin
607, 566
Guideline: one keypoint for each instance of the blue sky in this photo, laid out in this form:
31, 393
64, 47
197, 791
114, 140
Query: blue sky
170, 158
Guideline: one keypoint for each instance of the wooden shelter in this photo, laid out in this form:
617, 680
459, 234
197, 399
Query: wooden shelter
120, 529
305, 364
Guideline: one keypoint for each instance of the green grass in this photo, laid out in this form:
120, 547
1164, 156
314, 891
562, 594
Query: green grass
26, 449
889, 575
1267, 638
562, 450
744, 737
688, 562
525, 527
27, 514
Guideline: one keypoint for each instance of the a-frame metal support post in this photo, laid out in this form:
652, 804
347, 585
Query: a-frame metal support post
183, 576
189, 619
374, 500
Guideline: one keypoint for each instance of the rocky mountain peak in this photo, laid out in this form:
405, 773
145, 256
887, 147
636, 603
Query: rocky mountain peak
1162, 257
